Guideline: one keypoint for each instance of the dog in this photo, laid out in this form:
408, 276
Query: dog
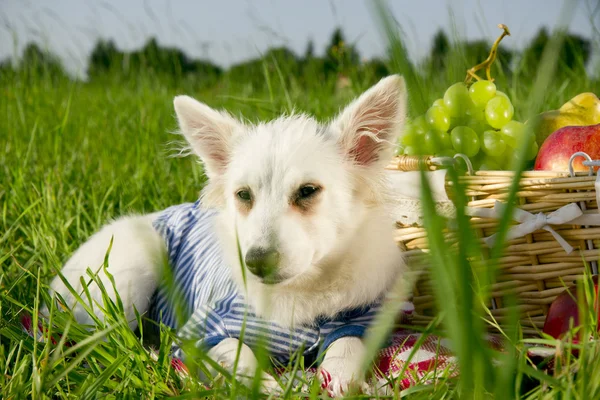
291, 236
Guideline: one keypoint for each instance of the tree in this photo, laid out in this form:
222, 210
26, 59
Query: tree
575, 51
253, 71
533, 52
573, 55
439, 50
340, 56
165, 62
309, 53
103, 57
38, 61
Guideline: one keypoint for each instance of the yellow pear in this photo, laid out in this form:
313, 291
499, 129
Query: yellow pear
584, 103
581, 110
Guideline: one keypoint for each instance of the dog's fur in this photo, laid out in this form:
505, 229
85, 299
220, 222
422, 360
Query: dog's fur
336, 247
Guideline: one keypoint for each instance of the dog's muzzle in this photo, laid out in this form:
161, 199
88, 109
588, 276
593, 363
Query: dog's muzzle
263, 263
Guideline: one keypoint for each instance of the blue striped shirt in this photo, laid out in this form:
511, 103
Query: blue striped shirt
201, 286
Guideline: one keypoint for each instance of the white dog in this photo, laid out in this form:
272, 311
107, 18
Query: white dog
305, 202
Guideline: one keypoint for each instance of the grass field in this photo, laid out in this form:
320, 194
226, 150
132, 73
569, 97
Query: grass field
74, 154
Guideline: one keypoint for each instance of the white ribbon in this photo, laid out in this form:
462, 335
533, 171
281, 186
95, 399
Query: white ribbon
529, 222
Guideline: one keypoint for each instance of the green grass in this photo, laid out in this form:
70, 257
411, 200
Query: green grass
74, 154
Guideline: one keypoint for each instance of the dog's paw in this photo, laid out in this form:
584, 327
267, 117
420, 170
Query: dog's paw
226, 353
342, 383
341, 372
269, 385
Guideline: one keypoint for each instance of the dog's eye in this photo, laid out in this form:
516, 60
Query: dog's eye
244, 195
307, 191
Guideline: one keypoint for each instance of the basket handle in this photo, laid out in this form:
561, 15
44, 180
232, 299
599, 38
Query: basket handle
412, 163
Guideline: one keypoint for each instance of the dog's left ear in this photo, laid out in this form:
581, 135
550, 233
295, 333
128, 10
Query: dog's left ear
368, 128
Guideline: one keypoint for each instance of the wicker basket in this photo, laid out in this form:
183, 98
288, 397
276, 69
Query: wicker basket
536, 264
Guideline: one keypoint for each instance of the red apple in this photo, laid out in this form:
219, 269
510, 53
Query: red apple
564, 309
558, 148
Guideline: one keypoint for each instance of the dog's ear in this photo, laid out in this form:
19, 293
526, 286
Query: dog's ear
368, 128
209, 132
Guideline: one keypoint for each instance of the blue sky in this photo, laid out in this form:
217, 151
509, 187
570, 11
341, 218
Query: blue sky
229, 31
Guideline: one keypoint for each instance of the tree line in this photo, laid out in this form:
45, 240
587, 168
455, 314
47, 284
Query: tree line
340, 61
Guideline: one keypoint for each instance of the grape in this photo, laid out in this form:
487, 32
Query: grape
493, 144
413, 132
435, 142
438, 102
409, 136
475, 121
477, 161
465, 141
501, 161
408, 139
410, 151
509, 158
514, 132
445, 140
476, 114
489, 164
533, 150
462, 120
499, 111
481, 92
500, 93
437, 117
479, 127
457, 100
447, 152
420, 125
431, 143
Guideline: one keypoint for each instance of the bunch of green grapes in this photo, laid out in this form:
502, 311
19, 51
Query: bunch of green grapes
476, 121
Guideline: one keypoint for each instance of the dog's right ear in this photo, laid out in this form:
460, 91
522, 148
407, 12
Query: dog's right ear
209, 132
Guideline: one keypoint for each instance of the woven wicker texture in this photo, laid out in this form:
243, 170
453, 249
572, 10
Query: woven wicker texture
535, 265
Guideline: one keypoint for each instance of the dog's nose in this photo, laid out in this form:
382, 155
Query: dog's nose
262, 262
